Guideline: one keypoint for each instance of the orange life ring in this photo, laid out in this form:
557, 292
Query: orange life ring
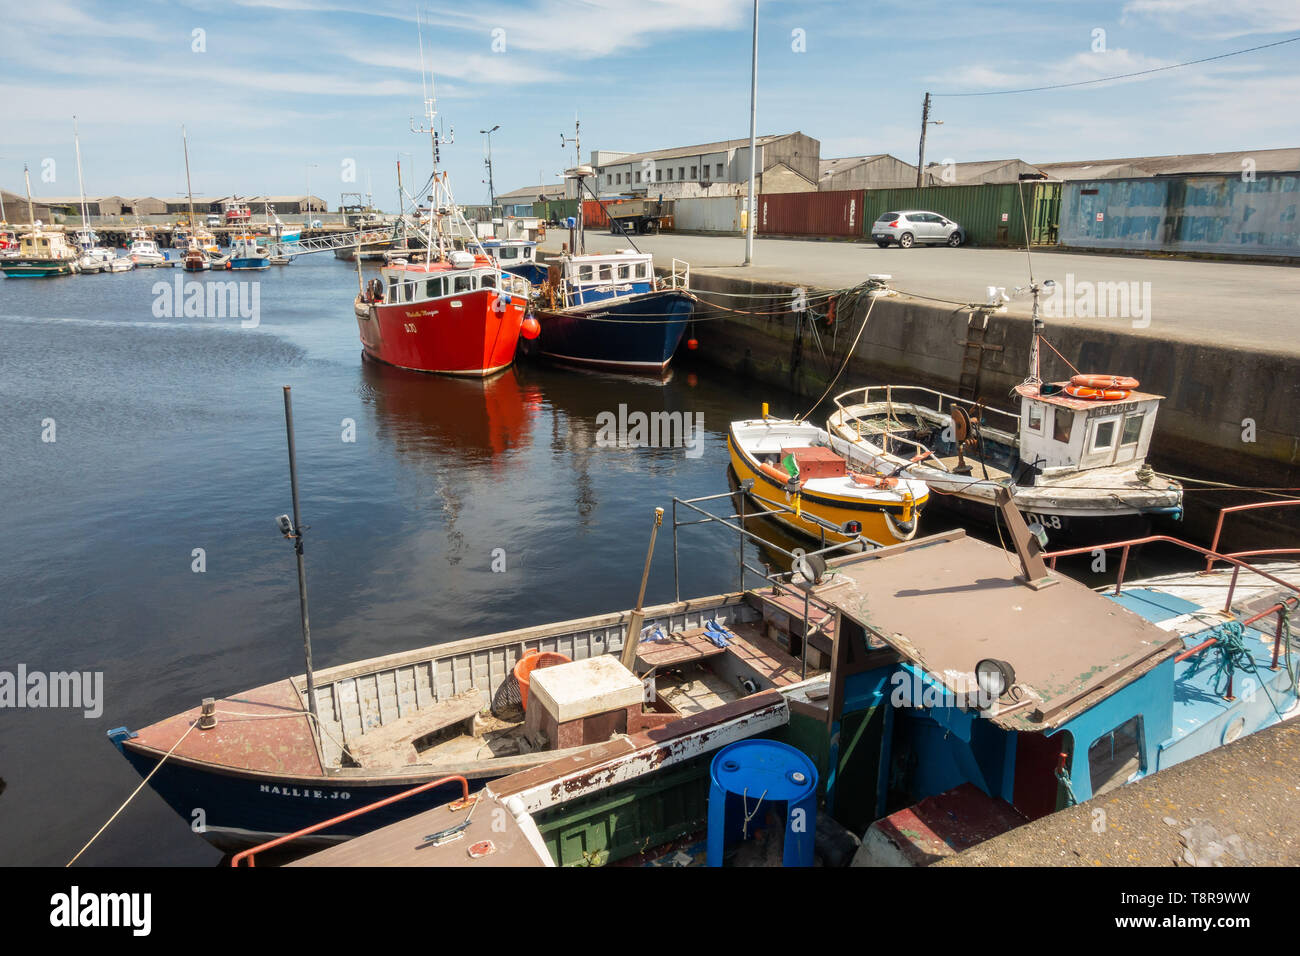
1105, 382
1097, 394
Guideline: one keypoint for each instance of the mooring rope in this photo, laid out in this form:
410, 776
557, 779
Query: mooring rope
132, 797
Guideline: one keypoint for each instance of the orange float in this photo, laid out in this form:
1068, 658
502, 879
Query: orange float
1105, 382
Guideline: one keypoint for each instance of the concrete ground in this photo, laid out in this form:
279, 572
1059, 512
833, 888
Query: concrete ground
1235, 806
1245, 305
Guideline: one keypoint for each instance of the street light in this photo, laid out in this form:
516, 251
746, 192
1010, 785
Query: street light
753, 124
492, 198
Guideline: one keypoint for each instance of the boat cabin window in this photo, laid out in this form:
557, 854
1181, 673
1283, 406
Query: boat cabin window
1113, 758
433, 288
509, 252
1132, 430
488, 281
606, 273
1062, 422
1103, 434
585, 273
392, 288
640, 270
1035, 418
464, 283
625, 271
528, 252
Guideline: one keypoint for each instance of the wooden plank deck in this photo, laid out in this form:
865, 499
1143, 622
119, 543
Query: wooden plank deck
680, 648
393, 744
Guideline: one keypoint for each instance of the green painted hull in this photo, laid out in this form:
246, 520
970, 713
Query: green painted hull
36, 269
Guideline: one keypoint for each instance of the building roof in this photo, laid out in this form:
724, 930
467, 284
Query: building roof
1266, 160
529, 193
982, 171
697, 150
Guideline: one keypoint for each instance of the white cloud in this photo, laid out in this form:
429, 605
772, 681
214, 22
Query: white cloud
1218, 18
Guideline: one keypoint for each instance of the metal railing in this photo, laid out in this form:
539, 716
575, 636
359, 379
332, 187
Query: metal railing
775, 580
940, 403
1223, 513
251, 854
680, 276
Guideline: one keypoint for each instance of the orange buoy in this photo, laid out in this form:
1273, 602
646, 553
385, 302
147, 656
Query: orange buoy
1105, 382
692, 344
530, 328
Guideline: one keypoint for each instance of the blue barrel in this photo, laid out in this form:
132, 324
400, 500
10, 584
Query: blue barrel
745, 779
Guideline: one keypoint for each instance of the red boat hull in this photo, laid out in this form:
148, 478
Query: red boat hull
468, 334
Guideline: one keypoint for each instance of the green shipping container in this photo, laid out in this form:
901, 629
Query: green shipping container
992, 214
555, 209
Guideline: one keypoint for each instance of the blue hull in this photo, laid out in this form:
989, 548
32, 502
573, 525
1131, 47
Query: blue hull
634, 333
241, 811
534, 273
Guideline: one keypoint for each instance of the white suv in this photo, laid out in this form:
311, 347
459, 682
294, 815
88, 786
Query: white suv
910, 227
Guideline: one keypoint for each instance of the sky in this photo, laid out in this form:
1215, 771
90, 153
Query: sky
278, 95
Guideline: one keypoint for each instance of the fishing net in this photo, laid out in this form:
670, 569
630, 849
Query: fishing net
507, 697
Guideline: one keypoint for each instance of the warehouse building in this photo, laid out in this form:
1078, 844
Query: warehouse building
789, 162
880, 171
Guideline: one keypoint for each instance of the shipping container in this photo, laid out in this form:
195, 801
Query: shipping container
991, 214
555, 210
811, 214
1218, 213
594, 215
709, 214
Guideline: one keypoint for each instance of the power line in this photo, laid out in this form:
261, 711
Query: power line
1124, 76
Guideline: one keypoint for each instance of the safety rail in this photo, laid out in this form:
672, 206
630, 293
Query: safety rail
251, 854
680, 276
1279, 609
888, 394
772, 579
1223, 513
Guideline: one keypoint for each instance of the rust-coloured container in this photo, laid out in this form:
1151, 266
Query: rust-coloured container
594, 215
836, 213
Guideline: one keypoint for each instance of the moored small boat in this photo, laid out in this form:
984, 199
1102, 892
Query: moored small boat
246, 254
145, 254
41, 254
819, 486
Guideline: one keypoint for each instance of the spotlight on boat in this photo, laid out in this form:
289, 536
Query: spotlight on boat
994, 677
811, 567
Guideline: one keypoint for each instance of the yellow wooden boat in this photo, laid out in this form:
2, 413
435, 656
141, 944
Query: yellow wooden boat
818, 485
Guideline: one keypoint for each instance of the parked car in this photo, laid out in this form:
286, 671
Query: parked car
912, 226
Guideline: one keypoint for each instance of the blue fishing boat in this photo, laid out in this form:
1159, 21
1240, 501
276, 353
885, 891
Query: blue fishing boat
518, 256
246, 254
610, 311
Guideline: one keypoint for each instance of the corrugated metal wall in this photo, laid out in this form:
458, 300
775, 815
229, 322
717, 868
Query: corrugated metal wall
713, 214
811, 214
1212, 213
593, 215
990, 213
557, 209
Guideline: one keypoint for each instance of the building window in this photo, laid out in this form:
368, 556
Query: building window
659, 175
1035, 418
693, 169
706, 171
609, 179
681, 172
1062, 422
719, 170
670, 174
638, 176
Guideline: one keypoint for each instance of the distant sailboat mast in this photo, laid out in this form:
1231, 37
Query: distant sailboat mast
85, 226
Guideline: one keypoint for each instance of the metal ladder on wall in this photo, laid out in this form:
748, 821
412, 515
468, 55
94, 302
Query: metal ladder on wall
973, 349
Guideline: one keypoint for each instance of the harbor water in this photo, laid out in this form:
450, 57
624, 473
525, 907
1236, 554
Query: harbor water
143, 462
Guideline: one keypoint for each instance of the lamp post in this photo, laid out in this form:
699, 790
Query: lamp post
753, 138
492, 197
925, 121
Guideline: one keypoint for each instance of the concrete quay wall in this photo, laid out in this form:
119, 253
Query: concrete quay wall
1217, 396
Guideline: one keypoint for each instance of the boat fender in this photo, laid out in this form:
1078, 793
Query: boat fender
779, 476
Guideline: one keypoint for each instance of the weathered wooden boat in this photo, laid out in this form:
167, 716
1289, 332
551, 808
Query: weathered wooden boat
940, 722
832, 493
405, 719
42, 253
1075, 454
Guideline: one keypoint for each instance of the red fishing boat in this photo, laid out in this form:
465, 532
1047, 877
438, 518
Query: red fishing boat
456, 313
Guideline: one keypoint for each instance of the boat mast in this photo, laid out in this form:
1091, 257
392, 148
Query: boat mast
189, 190
85, 236
430, 110
295, 534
